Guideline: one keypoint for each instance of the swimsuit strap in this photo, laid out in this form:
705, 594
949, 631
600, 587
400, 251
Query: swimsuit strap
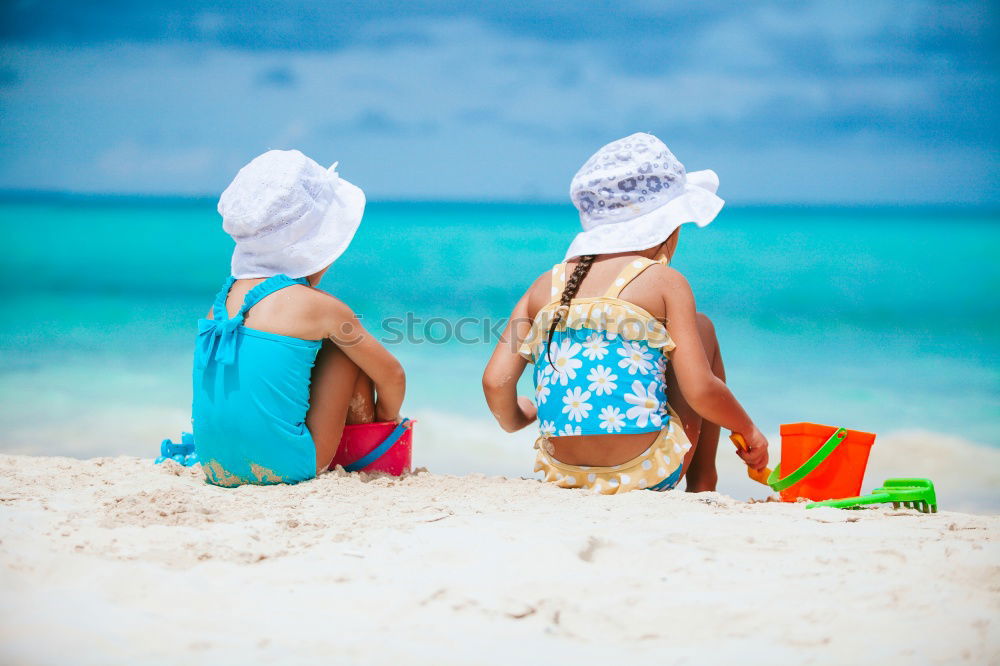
558, 282
218, 339
219, 312
266, 288
630, 272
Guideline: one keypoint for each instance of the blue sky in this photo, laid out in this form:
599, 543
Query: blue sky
808, 102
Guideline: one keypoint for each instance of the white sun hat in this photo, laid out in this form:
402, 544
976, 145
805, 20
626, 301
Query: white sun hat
288, 215
633, 193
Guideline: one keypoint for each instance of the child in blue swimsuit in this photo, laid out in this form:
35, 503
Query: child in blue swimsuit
629, 384
280, 367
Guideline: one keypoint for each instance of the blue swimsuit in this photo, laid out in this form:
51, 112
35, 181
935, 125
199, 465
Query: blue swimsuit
251, 396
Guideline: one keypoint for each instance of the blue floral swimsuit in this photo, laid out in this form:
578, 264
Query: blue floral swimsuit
604, 373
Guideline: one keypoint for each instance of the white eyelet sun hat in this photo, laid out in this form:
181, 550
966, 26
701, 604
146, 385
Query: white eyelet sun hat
633, 193
288, 215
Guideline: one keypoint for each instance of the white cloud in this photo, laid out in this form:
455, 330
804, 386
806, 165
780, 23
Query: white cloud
457, 110
155, 170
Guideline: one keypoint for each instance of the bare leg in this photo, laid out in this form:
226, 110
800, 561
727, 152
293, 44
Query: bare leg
699, 463
362, 407
340, 394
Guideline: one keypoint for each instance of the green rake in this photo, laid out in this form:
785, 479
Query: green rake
912, 493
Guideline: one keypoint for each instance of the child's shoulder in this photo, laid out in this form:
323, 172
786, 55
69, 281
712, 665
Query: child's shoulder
317, 301
665, 284
316, 313
540, 293
664, 276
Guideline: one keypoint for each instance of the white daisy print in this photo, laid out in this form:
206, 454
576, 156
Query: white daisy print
645, 405
661, 365
612, 419
564, 363
601, 315
635, 328
576, 404
547, 428
596, 347
542, 390
635, 358
569, 430
602, 380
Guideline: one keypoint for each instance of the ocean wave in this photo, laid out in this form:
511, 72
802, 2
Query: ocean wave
966, 474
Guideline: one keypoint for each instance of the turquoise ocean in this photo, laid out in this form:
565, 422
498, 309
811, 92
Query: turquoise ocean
885, 320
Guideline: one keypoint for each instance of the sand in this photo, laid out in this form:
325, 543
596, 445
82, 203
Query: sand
118, 561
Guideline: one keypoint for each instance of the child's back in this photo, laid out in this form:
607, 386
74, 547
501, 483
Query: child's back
612, 336
250, 415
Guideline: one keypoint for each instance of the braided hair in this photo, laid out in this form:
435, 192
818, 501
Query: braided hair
569, 293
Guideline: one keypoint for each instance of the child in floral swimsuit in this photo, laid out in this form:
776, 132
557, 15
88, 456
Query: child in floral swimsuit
629, 382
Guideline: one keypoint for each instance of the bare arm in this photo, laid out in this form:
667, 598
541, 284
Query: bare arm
503, 371
343, 327
707, 394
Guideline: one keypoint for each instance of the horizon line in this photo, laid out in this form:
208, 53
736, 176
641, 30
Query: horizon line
7, 195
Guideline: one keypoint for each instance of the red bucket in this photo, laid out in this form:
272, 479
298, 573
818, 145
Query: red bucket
364, 440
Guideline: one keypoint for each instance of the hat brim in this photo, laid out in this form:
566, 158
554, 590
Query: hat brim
698, 203
317, 249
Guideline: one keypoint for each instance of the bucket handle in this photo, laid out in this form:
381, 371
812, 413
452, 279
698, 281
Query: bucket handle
379, 450
777, 483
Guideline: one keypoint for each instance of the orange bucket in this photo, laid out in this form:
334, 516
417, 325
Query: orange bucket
839, 474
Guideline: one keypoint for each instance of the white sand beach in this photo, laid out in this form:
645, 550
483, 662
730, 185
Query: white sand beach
115, 561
